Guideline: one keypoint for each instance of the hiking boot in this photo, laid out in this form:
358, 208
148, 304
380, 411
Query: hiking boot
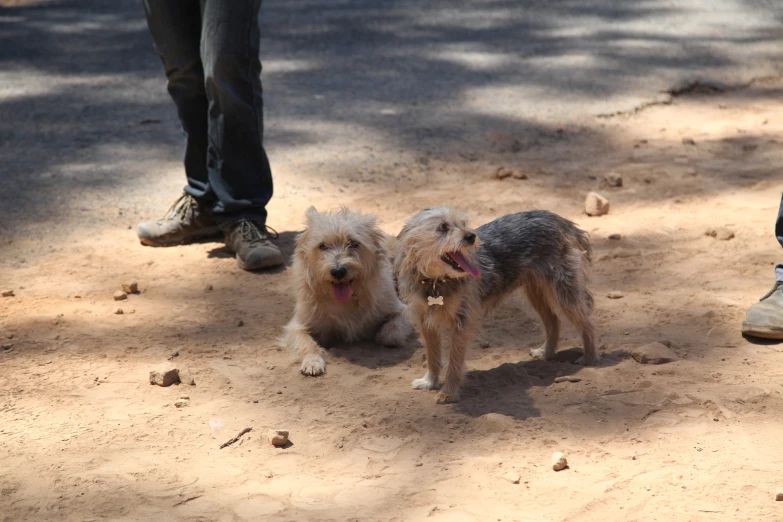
186, 220
252, 246
765, 318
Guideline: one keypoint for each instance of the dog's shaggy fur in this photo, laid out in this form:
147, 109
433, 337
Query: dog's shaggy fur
345, 288
440, 260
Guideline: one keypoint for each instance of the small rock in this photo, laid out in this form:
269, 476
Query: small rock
164, 374
186, 377
779, 496
653, 353
559, 461
615, 295
518, 174
118, 311
278, 437
613, 179
615, 237
688, 141
568, 378
119, 295
484, 344
208, 288
512, 477
240, 323
596, 204
8, 346
569, 355
182, 402
132, 288
8, 293
503, 173
722, 233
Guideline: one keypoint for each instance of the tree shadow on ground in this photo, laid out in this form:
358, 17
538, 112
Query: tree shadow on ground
423, 78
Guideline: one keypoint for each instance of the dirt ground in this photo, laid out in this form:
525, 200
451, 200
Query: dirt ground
84, 436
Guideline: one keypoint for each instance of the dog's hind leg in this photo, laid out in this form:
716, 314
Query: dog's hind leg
396, 330
540, 303
432, 344
298, 340
577, 303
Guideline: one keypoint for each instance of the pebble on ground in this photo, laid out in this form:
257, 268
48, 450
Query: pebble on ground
721, 233
132, 288
559, 461
512, 477
596, 204
164, 374
613, 179
278, 438
653, 353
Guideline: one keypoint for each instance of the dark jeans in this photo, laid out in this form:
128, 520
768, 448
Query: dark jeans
209, 49
779, 234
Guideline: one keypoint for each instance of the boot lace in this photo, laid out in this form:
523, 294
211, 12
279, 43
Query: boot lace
182, 209
252, 233
775, 287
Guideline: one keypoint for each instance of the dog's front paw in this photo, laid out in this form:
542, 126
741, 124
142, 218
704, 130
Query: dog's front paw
446, 398
313, 364
537, 353
425, 383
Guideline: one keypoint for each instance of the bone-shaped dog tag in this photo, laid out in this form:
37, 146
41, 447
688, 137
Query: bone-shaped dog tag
435, 300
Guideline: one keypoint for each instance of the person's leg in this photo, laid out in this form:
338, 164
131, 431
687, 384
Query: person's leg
237, 164
765, 318
175, 26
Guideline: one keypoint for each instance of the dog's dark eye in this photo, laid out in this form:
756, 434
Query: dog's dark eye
443, 227
353, 244
323, 246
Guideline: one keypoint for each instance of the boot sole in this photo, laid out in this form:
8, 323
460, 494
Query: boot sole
203, 233
241, 264
763, 332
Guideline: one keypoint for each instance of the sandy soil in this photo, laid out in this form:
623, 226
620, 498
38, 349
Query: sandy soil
84, 436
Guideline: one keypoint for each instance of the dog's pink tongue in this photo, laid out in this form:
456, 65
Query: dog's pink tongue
341, 292
464, 264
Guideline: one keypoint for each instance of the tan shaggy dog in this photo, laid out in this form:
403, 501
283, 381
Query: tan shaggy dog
451, 275
344, 288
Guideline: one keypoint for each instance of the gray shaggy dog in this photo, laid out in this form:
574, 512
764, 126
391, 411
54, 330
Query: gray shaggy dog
450, 276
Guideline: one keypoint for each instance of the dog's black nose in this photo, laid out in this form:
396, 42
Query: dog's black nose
470, 237
339, 272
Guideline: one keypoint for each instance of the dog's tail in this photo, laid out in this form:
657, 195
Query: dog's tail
582, 240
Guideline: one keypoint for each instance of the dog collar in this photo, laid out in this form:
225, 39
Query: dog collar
434, 297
